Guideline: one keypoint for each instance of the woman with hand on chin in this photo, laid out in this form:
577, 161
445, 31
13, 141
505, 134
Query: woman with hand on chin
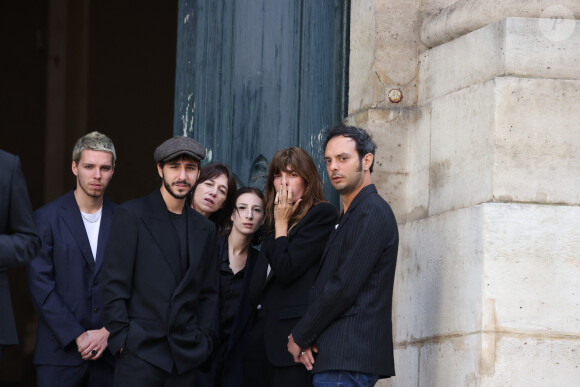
237, 260
298, 223
213, 195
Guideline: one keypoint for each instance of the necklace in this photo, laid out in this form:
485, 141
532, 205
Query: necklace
92, 218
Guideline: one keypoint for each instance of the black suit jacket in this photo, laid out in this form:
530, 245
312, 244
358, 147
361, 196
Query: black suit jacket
65, 280
160, 314
19, 240
349, 316
283, 295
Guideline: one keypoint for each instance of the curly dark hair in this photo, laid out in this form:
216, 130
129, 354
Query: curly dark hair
364, 142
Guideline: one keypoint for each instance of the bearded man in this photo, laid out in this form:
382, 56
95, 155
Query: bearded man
160, 277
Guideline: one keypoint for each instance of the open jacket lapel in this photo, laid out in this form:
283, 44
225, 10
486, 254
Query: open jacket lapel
106, 220
195, 235
344, 219
71, 215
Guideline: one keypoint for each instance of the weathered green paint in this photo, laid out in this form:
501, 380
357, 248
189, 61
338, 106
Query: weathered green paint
254, 76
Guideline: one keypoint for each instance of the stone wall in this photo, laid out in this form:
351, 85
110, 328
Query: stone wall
480, 161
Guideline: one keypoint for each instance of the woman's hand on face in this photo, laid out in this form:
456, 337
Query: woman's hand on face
284, 207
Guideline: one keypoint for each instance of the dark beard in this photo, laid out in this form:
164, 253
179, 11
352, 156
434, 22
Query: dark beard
176, 196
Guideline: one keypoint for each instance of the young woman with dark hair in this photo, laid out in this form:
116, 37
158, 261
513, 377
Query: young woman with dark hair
237, 260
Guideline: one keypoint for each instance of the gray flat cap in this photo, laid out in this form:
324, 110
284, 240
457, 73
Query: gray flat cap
179, 145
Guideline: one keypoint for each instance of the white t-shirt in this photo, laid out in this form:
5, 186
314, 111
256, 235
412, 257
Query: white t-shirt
92, 224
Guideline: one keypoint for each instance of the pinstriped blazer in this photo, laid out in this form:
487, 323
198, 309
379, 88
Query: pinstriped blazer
349, 315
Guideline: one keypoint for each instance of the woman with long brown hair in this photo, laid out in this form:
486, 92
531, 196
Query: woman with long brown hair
298, 223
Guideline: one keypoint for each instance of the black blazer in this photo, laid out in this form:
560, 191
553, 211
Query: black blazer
160, 314
65, 280
349, 316
283, 296
19, 240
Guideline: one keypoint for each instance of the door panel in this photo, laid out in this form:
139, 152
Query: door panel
254, 76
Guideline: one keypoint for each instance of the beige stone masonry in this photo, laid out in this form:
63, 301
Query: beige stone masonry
510, 47
465, 16
489, 296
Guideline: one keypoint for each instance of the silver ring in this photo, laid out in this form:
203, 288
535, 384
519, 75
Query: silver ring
94, 352
302, 353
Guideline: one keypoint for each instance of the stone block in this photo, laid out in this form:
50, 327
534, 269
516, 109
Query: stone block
438, 283
452, 361
537, 140
502, 267
523, 361
419, 159
361, 56
396, 53
468, 60
462, 148
531, 268
511, 47
509, 139
532, 50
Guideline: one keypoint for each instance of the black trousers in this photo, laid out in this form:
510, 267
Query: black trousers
259, 372
131, 370
91, 373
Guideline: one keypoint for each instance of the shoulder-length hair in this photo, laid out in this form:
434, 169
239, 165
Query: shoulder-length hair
300, 162
221, 217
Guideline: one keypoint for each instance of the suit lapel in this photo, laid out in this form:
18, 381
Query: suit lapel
344, 219
195, 234
71, 215
163, 233
106, 220
258, 280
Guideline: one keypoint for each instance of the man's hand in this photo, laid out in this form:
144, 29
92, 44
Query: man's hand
305, 357
92, 344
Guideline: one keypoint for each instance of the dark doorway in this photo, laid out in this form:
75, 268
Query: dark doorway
70, 67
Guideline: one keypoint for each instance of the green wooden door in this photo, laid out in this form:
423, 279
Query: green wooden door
254, 76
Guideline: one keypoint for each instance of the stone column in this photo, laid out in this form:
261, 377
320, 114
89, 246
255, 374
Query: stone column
481, 163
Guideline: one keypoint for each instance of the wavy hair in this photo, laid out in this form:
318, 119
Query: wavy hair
302, 164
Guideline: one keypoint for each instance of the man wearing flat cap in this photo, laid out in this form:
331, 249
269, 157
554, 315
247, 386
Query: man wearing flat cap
160, 277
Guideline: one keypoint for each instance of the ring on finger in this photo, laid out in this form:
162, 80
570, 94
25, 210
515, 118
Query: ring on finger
94, 352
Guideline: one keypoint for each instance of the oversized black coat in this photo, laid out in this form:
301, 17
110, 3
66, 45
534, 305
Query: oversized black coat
160, 314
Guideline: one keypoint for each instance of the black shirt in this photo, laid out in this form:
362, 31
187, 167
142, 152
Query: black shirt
230, 289
180, 224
